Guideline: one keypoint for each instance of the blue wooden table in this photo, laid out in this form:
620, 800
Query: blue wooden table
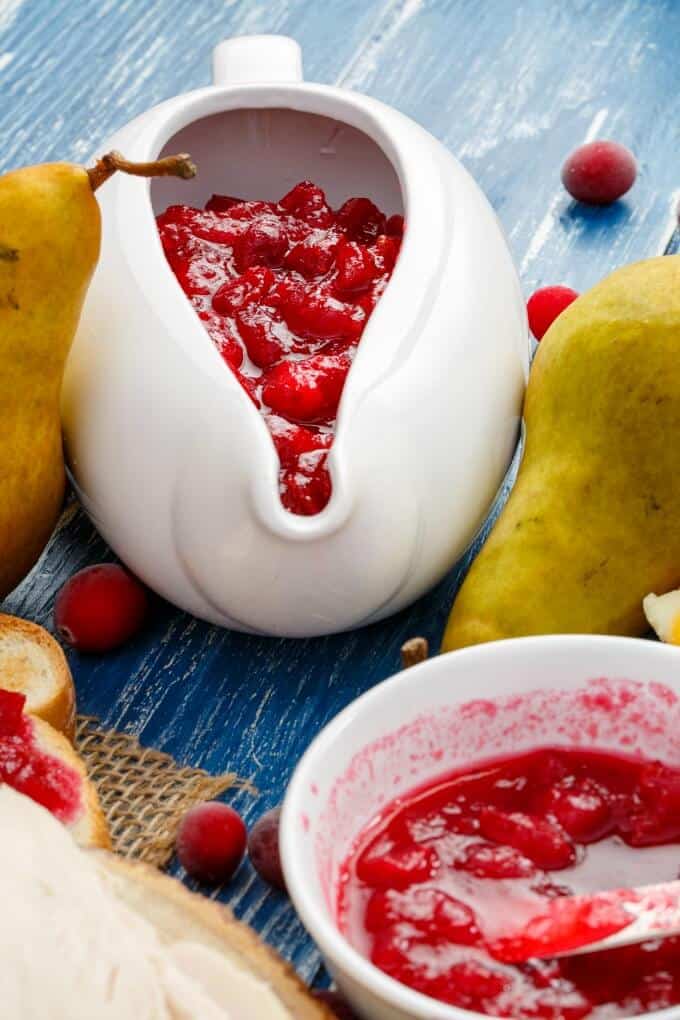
511, 88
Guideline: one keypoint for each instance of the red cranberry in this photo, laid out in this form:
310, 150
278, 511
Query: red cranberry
99, 608
263, 848
544, 306
599, 172
211, 842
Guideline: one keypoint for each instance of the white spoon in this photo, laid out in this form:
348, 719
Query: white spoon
571, 925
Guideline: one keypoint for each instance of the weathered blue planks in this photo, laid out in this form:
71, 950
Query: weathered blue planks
511, 88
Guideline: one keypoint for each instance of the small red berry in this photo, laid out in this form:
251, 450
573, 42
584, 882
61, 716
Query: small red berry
263, 848
211, 841
599, 172
544, 306
99, 608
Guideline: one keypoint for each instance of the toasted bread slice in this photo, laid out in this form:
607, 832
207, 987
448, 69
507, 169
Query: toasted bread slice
88, 824
179, 915
32, 663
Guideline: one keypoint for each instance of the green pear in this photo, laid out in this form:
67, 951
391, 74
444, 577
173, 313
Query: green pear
593, 522
49, 245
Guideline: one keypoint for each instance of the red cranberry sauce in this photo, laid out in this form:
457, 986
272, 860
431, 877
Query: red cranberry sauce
29, 770
425, 892
285, 290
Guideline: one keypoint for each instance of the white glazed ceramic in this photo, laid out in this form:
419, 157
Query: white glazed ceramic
339, 786
171, 460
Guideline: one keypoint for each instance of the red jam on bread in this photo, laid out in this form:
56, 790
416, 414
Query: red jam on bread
31, 771
285, 290
426, 889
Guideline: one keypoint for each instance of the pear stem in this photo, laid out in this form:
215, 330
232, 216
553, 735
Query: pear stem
170, 166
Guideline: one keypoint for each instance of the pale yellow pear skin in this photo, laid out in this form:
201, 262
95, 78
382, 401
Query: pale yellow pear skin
593, 522
49, 245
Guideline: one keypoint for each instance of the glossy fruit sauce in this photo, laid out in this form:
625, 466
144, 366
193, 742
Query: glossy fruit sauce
426, 890
25, 767
285, 290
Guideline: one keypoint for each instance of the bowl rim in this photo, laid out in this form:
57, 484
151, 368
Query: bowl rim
334, 946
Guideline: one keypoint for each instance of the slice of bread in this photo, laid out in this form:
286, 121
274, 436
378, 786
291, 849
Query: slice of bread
179, 915
88, 826
32, 663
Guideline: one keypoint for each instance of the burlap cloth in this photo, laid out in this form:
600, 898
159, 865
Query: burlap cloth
144, 793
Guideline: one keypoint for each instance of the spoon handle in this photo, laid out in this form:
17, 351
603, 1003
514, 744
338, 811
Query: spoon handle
571, 925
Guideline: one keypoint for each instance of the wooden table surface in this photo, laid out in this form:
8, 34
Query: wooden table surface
511, 88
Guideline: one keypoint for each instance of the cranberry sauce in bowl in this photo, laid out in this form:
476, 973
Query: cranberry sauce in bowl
428, 886
284, 290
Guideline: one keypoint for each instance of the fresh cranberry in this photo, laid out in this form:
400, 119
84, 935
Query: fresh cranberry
361, 219
100, 608
338, 1006
356, 267
211, 842
263, 848
307, 390
599, 172
545, 305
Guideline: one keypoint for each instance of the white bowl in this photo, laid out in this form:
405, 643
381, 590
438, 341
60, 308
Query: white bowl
169, 456
616, 694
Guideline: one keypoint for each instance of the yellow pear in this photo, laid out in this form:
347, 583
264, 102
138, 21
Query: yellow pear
593, 522
49, 245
